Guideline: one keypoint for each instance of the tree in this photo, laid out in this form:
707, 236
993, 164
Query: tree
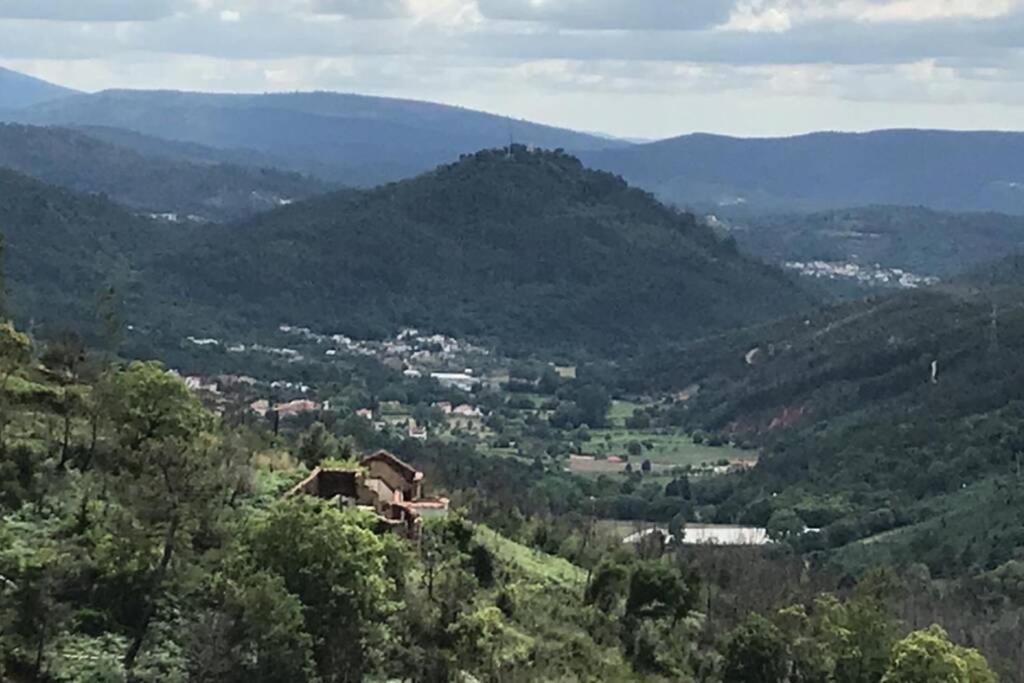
755, 652
337, 567
593, 402
634, 448
31, 613
638, 420
316, 445
549, 381
929, 656
109, 320
658, 590
608, 585
678, 488
64, 359
254, 634
165, 474
784, 524
15, 352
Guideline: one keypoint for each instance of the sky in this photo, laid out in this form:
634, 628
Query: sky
632, 68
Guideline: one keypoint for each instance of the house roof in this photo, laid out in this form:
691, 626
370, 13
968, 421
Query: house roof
405, 469
328, 483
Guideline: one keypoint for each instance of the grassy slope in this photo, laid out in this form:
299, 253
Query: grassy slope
533, 563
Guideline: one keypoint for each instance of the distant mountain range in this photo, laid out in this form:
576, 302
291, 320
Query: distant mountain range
352, 139
18, 90
363, 141
963, 171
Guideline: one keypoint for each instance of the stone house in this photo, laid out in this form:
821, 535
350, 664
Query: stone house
384, 484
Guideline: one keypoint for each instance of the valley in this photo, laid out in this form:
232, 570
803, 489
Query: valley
703, 409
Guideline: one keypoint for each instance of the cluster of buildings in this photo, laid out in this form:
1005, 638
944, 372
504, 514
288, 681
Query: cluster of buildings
413, 352
876, 276
221, 388
209, 342
287, 409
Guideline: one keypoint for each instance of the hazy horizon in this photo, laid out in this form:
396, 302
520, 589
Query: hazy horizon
642, 69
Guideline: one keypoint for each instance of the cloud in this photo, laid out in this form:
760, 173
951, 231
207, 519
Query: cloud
557, 60
89, 10
362, 9
611, 14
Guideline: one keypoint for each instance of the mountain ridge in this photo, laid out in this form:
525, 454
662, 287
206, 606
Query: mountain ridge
355, 140
19, 90
950, 170
189, 190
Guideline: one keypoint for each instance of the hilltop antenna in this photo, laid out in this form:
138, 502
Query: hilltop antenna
511, 139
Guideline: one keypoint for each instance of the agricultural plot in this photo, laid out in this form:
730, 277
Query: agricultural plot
665, 451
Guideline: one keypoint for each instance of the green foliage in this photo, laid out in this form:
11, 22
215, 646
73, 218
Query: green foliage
62, 248
858, 439
929, 657
162, 552
657, 590
254, 630
520, 266
755, 653
785, 524
335, 566
15, 349
150, 406
317, 445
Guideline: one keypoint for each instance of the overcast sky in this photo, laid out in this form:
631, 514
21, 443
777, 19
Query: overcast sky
639, 68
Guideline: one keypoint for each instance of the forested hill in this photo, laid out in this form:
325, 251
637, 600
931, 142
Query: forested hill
951, 170
526, 247
203, 191
898, 416
915, 239
61, 249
